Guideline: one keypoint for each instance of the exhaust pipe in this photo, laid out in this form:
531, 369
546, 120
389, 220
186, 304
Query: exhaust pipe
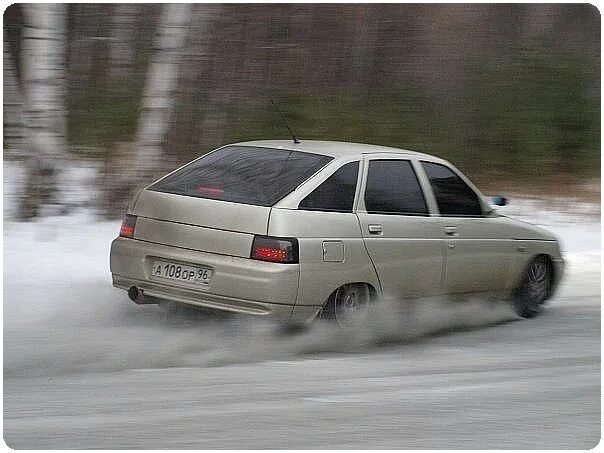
137, 296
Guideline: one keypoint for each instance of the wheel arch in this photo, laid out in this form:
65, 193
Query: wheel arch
373, 292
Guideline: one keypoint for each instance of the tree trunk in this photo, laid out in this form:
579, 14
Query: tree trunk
123, 39
43, 75
13, 107
160, 88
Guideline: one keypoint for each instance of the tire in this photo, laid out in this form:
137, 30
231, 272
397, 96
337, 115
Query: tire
534, 289
348, 305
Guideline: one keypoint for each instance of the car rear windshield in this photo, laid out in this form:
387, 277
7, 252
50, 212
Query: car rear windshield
243, 174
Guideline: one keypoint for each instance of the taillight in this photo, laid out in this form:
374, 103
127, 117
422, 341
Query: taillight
128, 224
276, 250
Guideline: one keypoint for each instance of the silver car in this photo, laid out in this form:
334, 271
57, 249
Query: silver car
297, 230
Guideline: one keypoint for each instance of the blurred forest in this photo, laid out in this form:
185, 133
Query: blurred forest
508, 92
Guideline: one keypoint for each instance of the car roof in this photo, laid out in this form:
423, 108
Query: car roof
331, 148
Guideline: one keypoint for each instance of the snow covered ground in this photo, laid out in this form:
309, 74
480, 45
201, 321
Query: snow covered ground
85, 367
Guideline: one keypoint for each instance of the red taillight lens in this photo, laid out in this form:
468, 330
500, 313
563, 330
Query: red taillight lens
128, 224
276, 250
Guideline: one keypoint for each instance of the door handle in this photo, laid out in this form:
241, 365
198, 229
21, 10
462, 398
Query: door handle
451, 230
374, 229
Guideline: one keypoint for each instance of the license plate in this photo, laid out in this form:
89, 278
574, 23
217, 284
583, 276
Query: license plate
181, 272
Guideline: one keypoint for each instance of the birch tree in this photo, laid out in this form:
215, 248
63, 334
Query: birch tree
43, 61
123, 39
160, 87
13, 105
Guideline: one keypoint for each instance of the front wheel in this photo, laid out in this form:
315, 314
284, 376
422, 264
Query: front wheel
534, 288
348, 305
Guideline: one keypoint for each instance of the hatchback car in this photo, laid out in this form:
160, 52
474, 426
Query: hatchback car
296, 230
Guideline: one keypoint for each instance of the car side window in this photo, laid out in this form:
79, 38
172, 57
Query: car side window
453, 196
336, 193
393, 188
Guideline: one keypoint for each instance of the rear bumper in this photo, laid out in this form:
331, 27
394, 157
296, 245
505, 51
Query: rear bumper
237, 285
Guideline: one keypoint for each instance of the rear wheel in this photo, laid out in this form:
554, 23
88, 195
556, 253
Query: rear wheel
348, 305
534, 288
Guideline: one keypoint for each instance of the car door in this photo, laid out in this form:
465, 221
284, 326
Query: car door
403, 240
477, 252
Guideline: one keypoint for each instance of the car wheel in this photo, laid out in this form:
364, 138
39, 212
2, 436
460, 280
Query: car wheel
534, 288
348, 305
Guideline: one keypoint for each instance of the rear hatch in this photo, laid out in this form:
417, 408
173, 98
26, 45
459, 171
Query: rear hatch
219, 202
199, 224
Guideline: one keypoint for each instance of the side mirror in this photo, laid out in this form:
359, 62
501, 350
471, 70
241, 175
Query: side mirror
498, 200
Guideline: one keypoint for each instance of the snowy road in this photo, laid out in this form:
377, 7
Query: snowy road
83, 368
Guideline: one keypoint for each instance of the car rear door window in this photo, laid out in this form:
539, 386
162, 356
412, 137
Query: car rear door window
392, 188
336, 193
243, 174
453, 196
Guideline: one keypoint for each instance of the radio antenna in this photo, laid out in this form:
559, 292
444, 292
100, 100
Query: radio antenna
296, 141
